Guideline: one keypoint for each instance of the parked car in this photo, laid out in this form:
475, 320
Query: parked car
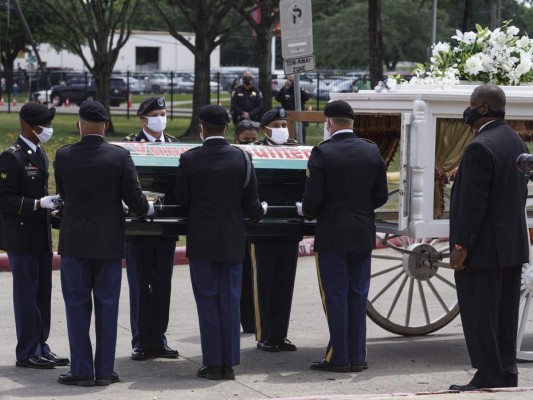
77, 90
339, 85
41, 96
185, 84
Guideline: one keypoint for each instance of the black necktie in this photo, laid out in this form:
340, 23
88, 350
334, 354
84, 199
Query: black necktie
40, 153
158, 140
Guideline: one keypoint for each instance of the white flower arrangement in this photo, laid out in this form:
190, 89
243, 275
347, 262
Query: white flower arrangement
500, 57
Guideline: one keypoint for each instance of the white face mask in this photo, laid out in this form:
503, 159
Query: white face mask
327, 133
45, 134
201, 133
157, 123
279, 135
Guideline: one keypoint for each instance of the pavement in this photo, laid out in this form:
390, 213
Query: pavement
399, 367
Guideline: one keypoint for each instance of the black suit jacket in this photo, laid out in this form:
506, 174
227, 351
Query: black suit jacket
209, 183
23, 179
92, 177
346, 182
488, 200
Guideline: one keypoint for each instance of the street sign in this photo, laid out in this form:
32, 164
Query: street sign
299, 65
296, 28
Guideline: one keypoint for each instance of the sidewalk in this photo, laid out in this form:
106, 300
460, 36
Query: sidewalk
399, 367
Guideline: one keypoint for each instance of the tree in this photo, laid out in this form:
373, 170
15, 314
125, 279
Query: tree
102, 26
375, 42
211, 21
268, 11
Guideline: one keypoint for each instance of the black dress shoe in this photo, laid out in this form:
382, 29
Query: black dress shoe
326, 366
69, 379
210, 372
286, 345
464, 388
268, 345
138, 354
227, 373
358, 367
163, 352
60, 361
36, 362
107, 381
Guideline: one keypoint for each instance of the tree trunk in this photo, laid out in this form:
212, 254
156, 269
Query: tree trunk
467, 15
202, 93
375, 42
102, 84
264, 40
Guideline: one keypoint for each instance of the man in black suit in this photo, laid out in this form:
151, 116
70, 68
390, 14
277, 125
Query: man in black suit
93, 177
150, 259
488, 237
25, 235
217, 183
346, 182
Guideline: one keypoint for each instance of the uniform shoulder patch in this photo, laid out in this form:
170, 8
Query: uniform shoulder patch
129, 138
14, 148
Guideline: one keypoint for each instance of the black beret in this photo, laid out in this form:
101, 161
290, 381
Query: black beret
93, 111
150, 104
37, 114
339, 108
272, 115
214, 114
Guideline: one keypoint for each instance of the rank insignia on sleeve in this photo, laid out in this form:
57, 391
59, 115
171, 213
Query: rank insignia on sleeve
3, 176
307, 173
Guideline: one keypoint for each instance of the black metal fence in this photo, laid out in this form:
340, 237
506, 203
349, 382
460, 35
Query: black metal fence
67, 87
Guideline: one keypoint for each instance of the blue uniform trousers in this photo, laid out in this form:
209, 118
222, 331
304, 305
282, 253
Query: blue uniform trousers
149, 268
79, 278
344, 281
217, 290
274, 272
32, 292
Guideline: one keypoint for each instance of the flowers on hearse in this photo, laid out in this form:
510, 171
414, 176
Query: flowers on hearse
500, 56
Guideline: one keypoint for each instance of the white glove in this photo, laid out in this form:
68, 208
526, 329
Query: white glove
50, 202
264, 204
125, 208
299, 210
150, 208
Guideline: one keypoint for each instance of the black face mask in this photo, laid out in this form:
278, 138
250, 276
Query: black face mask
471, 115
245, 141
247, 80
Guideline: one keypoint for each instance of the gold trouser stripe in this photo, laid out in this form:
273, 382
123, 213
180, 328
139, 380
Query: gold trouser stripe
21, 203
257, 309
324, 306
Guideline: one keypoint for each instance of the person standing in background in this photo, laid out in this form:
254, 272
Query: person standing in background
246, 100
150, 259
286, 97
25, 234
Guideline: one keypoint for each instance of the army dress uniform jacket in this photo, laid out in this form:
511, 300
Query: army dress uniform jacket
141, 137
488, 200
345, 218
23, 178
92, 177
246, 100
209, 183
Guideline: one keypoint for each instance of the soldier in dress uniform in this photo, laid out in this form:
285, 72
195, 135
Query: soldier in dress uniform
274, 260
94, 177
346, 182
246, 100
25, 235
247, 132
150, 259
216, 182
